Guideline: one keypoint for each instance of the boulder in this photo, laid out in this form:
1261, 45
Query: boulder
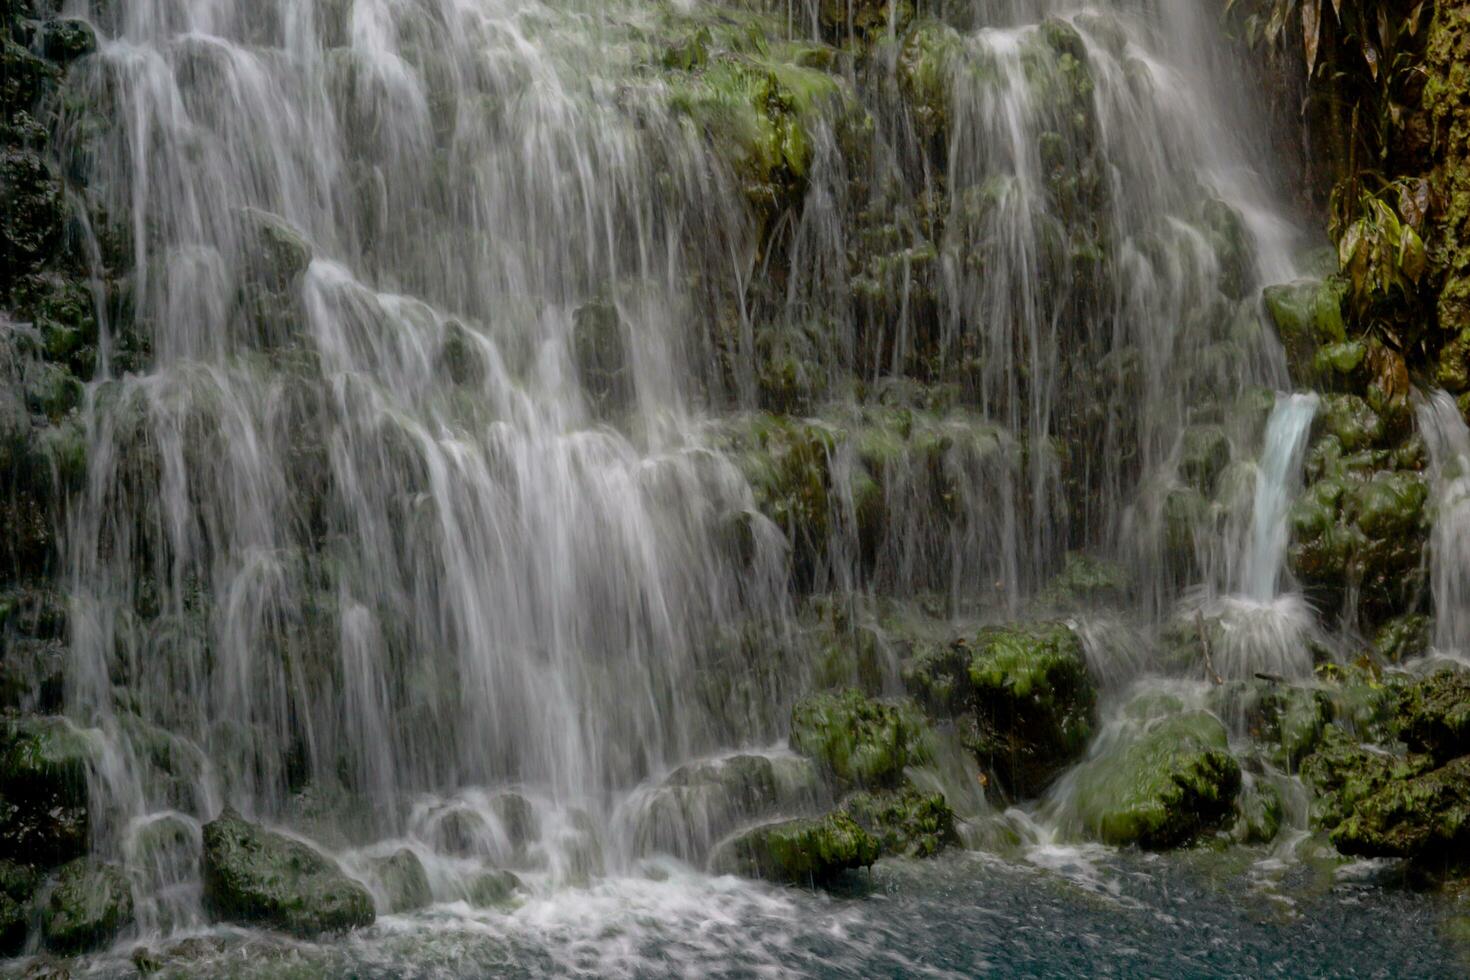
802, 851
88, 906
43, 791
860, 742
906, 822
1343, 772
1162, 785
18, 884
257, 877
1434, 715
1426, 817
492, 888
1033, 703
403, 881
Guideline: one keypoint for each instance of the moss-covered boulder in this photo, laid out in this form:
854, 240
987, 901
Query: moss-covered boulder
491, 888
1086, 580
803, 851
907, 822
1342, 772
257, 877
1308, 318
1258, 812
89, 905
18, 884
1434, 715
860, 742
1162, 785
43, 791
403, 881
1426, 817
1032, 700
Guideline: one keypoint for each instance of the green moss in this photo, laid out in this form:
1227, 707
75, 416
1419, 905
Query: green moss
1308, 318
43, 791
1033, 702
803, 851
860, 742
403, 881
1086, 580
1165, 786
492, 888
254, 876
1343, 773
908, 822
1426, 817
1434, 715
87, 908
1258, 813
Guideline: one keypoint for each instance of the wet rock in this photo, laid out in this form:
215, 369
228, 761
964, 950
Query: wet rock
1032, 700
802, 851
1403, 638
403, 880
1425, 817
1087, 581
90, 904
18, 883
462, 832
517, 818
43, 791
1258, 813
1161, 787
257, 877
1434, 715
32, 212
276, 255
860, 742
1343, 772
492, 888
907, 822
67, 38
1204, 452
600, 353
1308, 318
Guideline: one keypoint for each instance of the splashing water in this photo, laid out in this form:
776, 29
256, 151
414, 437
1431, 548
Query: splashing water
1278, 482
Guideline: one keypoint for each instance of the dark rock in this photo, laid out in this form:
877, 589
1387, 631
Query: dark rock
402, 878
1426, 817
1434, 715
18, 884
43, 791
907, 822
257, 877
88, 907
803, 851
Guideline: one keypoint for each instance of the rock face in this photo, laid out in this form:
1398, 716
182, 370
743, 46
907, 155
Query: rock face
803, 851
1164, 786
87, 908
257, 877
1434, 715
1426, 817
17, 884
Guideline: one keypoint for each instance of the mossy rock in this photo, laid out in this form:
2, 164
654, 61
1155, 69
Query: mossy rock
18, 883
1165, 786
1403, 638
1033, 702
1085, 581
256, 877
43, 791
600, 353
1308, 317
908, 822
1292, 720
89, 905
1426, 817
803, 851
492, 888
1343, 772
404, 883
1434, 715
860, 742
1258, 813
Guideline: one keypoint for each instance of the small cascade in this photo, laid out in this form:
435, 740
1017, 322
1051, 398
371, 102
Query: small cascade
1277, 482
1448, 440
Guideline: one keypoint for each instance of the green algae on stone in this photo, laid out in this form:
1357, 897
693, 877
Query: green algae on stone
1308, 318
1343, 772
43, 791
907, 822
402, 878
492, 888
1033, 702
1163, 787
860, 742
801, 851
257, 877
1258, 812
1424, 817
18, 883
87, 907
1434, 715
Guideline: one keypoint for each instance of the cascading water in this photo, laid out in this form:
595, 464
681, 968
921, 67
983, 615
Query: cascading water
1448, 440
493, 418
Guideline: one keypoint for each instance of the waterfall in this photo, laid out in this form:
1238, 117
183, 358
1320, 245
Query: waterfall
1277, 482
1448, 440
472, 367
